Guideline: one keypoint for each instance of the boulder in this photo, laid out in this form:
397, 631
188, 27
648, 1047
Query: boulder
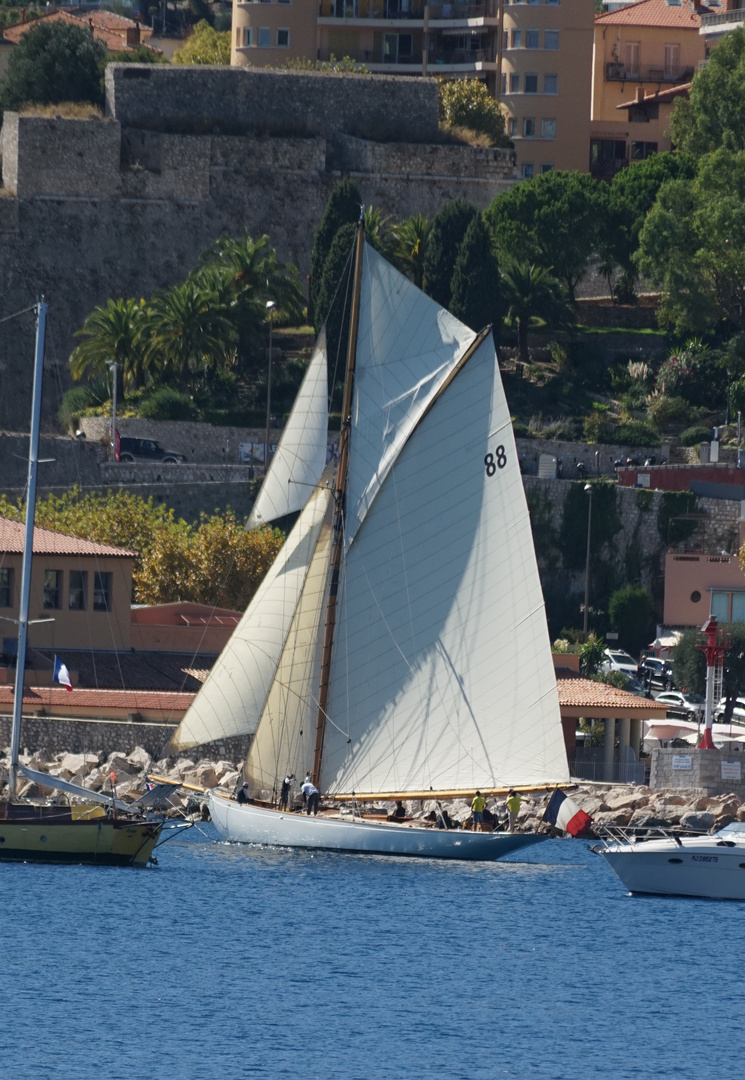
229, 781
699, 821
613, 817
644, 819
223, 769
203, 776
625, 800
119, 764
722, 821
183, 765
741, 813
139, 759
75, 763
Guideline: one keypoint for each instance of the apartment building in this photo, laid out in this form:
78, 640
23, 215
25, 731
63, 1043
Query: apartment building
546, 74
645, 55
539, 66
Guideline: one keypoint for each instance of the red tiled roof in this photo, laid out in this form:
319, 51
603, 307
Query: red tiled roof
113, 37
155, 671
126, 700
577, 692
655, 13
47, 542
660, 98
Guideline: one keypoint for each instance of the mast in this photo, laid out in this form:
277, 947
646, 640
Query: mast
28, 546
340, 495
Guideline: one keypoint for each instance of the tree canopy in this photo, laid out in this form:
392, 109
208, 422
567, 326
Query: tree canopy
713, 117
205, 45
54, 62
475, 281
449, 227
342, 208
467, 103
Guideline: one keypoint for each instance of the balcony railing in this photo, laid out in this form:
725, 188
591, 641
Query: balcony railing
723, 17
403, 9
647, 73
373, 56
462, 56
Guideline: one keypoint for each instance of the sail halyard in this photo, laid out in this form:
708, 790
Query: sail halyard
340, 495
300, 459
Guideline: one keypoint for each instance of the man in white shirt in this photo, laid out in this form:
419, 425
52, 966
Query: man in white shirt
310, 792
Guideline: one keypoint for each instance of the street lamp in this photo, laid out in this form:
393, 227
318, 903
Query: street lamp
270, 306
588, 491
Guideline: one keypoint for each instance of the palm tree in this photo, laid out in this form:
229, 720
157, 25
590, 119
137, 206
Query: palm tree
410, 246
529, 293
188, 330
376, 230
112, 335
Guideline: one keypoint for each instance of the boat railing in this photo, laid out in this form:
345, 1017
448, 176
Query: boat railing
608, 835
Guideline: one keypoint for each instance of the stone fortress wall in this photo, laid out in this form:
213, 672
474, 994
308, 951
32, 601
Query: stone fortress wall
123, 206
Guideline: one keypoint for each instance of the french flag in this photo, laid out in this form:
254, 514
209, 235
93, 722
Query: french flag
61, 674
566, 815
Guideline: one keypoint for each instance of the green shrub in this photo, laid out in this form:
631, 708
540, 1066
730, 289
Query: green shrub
167, 404
692, 373
74, 404
664, 410
637, 433
598, 428
692, 436
467, 103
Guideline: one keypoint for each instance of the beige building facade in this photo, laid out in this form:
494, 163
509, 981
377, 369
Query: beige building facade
644, 57
698, 585
546, 72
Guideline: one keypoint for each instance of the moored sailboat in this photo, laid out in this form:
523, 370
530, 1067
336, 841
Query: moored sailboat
98, 828
398, 646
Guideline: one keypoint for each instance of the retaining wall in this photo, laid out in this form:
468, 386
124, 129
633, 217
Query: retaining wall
703, 772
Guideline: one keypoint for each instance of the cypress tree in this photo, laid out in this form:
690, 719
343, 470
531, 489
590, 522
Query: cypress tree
449, 227
343, 207
475, 281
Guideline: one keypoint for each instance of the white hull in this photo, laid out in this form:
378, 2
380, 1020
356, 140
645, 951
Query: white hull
707, 866
248, 824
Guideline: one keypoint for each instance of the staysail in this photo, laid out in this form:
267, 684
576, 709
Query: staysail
300, 459
285, 736
441, 677
232, 698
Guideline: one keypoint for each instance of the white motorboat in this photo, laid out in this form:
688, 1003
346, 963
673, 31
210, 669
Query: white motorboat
398, 647
711, 866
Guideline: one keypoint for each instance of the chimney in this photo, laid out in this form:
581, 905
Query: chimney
640, 94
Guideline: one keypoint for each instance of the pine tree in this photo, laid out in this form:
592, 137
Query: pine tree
342, 208
475, 282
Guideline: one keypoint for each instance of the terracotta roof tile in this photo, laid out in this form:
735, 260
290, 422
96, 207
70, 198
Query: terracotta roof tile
156, 671
660, 98
655, 13
113, 36
579, 693
127, 700
47, 542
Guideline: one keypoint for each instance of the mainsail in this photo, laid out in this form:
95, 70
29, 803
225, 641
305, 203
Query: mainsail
300, 459
232, 698
441, 675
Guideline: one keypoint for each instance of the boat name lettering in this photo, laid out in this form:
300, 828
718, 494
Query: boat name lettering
704, 858
501, 457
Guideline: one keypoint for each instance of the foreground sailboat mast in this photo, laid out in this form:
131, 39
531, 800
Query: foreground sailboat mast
28, 545
340, 495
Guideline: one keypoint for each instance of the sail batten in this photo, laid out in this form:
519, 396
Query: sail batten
300, 459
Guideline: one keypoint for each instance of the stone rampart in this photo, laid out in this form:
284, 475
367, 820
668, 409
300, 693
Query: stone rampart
236, 100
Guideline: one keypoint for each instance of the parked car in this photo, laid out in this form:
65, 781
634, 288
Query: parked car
655, 672
738, 713
146, 450
618, 660
683, 705
634, 686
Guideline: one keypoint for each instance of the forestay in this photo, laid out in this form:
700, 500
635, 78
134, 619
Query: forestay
300, 459
442, 675
407, 346
285, 738
233, 696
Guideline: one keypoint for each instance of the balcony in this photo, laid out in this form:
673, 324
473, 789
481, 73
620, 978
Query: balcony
722, 22
384, 10
374, 58
646, 73
487, 9
462, 57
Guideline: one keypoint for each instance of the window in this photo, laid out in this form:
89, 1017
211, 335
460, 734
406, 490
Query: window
640, 151
515, 39
504, 83
672, 60
552, 1
547, 166
548, 129
76, 600
532, 39
248, 36
551, 39
283, 39
738, 607
512, 126
283, 1
550, 84
52, 588
515, 83
632, 57
264, 37
531, 84
102, 592
528, 170
6, 587
728, 606
529, 127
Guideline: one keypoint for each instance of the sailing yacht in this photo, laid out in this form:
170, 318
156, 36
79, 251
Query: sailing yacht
398, 646
97, 828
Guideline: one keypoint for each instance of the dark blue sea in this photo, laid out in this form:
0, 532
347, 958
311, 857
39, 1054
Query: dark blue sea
227, 961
